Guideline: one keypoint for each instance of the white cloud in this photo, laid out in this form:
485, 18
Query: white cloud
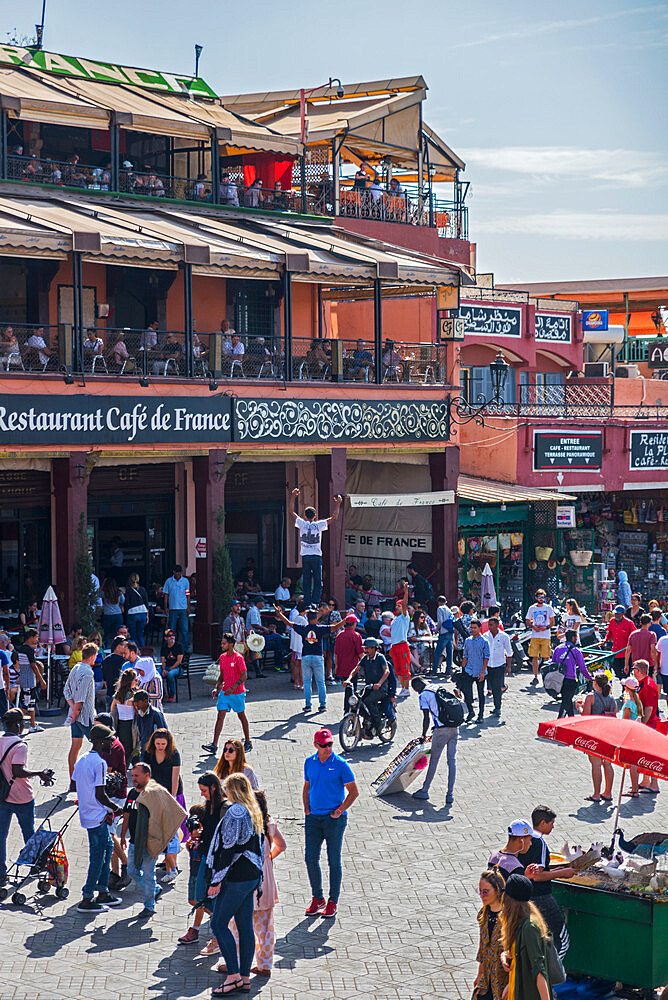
615, 167
548, 27
561, 224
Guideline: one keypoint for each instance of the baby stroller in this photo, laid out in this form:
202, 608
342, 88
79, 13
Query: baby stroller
44, 853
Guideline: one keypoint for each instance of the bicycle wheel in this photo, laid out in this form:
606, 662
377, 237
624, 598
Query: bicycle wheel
349, 731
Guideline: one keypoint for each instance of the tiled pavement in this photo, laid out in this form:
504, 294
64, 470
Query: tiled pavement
406, 927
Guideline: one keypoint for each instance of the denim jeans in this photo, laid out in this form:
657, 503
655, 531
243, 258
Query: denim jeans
235, 899
3, 702
330, 830
312, 579
442, 738
170, 681
136, 626
100, 849
314, 666
444, 643
144, 876
180, 618
25, 814
110, 627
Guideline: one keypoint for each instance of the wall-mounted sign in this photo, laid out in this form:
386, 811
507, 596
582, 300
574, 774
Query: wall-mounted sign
451, 329
565, 517
649, 449
92, 420
561, 450
594, 319
402, 499
385, 544
87, 69
296, 420
657, 353
556, 327
447, 297
492, 321
200, 547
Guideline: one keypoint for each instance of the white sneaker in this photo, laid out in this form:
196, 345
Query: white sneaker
404, 693
168, 878
36, 729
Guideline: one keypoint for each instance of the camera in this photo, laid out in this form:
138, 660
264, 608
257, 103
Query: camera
192, 824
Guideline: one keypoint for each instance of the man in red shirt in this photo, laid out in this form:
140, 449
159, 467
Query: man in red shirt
231, 692
347, 648
648, 693
619, 629
641, 644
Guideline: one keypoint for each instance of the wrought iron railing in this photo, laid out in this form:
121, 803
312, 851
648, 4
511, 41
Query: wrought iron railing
62, 173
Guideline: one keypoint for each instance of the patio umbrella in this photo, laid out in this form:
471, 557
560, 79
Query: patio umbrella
51, 630
625, 742
487, 591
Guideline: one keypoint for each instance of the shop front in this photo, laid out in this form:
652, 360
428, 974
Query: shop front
255, 525
25, 537
493, 535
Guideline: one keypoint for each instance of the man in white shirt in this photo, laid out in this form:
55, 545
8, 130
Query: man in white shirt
38, 343
310, 535
149, 337
96, 814
443, 737
540, 618
662, 653
500, 658
282, 592
79, 693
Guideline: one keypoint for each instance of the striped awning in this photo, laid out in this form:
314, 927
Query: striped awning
490, 491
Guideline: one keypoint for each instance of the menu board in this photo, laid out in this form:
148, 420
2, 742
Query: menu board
649, 449
561, 450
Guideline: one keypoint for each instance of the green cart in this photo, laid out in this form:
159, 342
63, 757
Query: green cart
615, 935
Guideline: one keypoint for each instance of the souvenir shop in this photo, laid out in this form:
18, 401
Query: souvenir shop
493, 534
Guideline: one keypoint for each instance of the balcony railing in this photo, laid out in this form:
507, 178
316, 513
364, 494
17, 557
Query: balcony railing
29, 348
354, 361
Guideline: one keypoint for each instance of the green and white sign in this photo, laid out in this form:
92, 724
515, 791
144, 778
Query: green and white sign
87, 69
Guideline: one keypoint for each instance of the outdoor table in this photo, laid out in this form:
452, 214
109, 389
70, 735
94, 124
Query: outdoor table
596, 918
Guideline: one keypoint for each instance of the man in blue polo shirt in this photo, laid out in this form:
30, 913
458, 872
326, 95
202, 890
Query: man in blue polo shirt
176, 591
475, 657
329, 789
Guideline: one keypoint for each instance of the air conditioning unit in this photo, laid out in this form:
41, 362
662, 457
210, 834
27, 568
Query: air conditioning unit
627, 371
596, 369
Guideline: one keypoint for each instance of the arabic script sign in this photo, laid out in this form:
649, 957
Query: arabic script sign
558, 450
492, 321
87, 69
554, 326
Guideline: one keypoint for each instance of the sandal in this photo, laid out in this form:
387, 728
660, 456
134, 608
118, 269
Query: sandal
590, 798
632, 795
223, 991
606, 798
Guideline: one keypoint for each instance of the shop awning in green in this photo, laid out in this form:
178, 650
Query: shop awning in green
490, 514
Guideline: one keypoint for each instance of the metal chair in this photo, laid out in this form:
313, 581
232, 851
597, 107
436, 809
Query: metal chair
101, 359
14, 360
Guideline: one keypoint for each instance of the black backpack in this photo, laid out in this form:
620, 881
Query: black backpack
450, 709
6, 786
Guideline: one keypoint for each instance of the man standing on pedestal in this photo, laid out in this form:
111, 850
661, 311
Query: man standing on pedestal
310, 536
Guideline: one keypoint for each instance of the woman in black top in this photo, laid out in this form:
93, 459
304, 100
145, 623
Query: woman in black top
215, 806
165, 762
235, 860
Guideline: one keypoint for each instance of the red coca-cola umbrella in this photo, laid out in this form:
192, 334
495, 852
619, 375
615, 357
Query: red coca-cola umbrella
621, 741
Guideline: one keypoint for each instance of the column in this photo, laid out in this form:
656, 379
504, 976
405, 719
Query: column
215, 170
70, 486
444, 470
330, 472
287, 322
377, 331
209, 476
188, 319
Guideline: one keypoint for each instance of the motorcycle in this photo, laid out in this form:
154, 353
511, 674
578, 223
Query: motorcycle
356, 724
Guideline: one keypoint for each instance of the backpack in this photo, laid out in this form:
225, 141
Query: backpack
450, 709
449, 625
5, 785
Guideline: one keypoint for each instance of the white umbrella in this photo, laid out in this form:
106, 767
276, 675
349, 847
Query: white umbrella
487, 591
51, 630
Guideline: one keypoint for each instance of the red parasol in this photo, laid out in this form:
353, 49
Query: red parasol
621, 741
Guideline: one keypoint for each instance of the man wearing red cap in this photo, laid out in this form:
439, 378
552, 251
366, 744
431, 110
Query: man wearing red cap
329, 790
347, 648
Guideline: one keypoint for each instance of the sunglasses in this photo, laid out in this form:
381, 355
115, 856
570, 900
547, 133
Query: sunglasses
331, 743
230, 750
484, 892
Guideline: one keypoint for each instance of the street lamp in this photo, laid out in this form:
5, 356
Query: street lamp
460, 409
302, 102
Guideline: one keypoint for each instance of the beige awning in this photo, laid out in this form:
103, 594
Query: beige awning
489, 491
26, 97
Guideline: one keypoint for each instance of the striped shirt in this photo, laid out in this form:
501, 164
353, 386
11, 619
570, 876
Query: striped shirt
80, 687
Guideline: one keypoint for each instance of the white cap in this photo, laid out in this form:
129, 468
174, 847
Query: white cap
520, 828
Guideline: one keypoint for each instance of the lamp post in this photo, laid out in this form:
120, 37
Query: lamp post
462, 411
198, 53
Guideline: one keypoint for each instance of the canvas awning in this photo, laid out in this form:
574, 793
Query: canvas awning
489, 491
217, 242
28, 98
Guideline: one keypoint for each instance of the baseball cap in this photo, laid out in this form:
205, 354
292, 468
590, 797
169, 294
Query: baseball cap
620, 610
387, 615
323, 738
350, 620
371, 641
168, 632
99, 732
630, 682
520, 828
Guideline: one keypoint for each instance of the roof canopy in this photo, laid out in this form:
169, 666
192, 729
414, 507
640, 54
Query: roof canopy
218, 243
381, 119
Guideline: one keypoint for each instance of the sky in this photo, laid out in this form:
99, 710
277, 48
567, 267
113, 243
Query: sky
558, 109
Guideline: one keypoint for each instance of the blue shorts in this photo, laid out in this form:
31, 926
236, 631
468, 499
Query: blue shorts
78, 730
231, 702
174, 846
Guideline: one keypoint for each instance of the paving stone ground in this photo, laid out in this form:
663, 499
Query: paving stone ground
406, 927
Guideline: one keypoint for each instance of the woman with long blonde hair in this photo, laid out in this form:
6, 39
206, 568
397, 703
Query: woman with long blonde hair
123, 712
525, 942
235, 860
233, 761
492, 978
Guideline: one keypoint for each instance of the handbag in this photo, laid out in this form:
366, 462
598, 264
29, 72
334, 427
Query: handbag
543, 552
555, 967
553, 681
211, 674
